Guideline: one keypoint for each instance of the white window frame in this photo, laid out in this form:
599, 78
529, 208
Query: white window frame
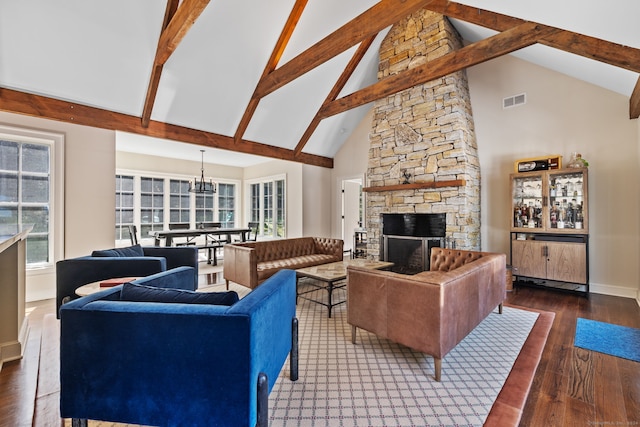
56, 188
138, 174
247, 204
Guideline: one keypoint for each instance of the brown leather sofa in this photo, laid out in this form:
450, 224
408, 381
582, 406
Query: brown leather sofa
250, 264
431, 311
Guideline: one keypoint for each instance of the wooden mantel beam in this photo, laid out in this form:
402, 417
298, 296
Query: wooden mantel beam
17, 102
506, 42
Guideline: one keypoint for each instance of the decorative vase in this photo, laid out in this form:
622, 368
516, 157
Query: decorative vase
577, 161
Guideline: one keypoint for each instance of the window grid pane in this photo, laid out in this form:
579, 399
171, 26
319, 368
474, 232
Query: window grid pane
226, 205
254, 213
267, 208
204, 207
280, 211
151, 206
179, 198
124, 205
25, 193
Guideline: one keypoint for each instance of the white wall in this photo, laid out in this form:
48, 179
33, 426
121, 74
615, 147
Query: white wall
89, 189
349, 163
188, 168
561, 115
637, 184
316, 201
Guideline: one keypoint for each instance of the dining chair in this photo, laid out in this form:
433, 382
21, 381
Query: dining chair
133, 234
212, 242
211, 224
252, 235
253, 231
181, 226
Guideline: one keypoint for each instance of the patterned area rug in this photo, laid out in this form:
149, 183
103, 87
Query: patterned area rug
380, 383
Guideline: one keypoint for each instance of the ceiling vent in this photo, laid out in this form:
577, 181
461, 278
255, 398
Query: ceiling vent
514, 101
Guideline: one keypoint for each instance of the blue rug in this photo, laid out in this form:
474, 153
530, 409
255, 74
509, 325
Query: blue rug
607, 338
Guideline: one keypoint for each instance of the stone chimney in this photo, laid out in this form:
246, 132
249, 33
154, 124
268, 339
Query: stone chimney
426, 132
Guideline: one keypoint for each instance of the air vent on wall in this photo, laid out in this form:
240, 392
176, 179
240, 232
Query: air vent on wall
514, 101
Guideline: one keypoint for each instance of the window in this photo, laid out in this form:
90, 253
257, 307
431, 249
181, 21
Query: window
152, 201
267, 206
254, 203
151, 205
27, 190
226, 205
180, 209
280, 208
124, 205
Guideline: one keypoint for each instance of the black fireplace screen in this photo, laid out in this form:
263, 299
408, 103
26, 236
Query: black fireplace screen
415, 225
408, 239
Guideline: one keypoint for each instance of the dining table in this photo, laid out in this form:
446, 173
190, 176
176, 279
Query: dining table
192, 233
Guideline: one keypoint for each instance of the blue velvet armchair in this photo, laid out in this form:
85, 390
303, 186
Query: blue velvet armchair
122, 262
176, 364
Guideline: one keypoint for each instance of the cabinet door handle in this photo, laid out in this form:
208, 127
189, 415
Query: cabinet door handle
545, 251
544, 200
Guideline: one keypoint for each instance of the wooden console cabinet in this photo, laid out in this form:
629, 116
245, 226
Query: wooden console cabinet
549, 242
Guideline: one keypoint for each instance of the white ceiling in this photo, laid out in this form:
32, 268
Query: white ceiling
100, 53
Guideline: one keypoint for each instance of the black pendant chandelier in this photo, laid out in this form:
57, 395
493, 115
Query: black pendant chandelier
201, 186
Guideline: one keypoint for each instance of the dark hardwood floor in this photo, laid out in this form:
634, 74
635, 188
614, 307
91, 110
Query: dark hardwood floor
572, 386
576, 387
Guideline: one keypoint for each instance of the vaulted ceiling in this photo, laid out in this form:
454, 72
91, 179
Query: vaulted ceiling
286, 79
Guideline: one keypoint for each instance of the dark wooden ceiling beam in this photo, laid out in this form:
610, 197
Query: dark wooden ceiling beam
568, 41
474, 15
276, 54
335, 91
506, 42
54, 109
634, 102
186, 15
372, 21
156, 69
600, 50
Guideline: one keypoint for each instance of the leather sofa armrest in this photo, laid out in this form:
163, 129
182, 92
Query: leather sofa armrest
241, 265
328, 246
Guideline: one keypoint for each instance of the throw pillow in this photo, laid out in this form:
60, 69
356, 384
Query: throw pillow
129, 251
143, 293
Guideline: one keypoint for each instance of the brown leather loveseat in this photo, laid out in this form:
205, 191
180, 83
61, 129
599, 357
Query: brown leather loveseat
431, 311
250, 264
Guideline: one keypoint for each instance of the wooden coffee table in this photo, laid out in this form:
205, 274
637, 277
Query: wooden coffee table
334, 275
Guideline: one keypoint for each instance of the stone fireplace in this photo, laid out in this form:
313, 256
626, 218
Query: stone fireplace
423, 155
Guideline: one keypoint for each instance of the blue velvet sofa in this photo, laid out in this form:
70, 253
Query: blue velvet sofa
121, 262
176, 364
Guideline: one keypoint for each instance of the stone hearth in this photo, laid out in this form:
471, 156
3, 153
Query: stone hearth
426, 131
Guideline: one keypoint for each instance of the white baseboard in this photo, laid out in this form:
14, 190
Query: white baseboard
616, 291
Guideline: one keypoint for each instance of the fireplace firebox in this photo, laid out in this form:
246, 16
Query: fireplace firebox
407, 240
